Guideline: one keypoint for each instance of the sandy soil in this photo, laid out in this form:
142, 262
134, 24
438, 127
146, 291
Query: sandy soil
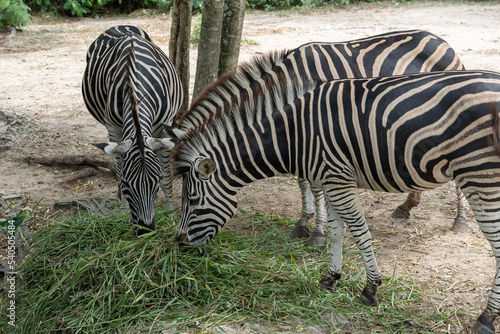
40, 81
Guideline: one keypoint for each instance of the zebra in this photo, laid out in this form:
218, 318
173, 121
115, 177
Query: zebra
401, 52
131, 87
392, 134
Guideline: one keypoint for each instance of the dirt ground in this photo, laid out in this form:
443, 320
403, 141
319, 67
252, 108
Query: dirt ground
40, 89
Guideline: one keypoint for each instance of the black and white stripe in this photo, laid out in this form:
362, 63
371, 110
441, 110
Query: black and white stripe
403, 52
392, 134
131, 87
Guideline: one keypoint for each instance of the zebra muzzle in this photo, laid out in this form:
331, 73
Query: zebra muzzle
141, 228
182, 237
185, 245
183, 240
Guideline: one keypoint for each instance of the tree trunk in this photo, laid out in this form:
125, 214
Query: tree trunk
209, 47
234, 13
180, 35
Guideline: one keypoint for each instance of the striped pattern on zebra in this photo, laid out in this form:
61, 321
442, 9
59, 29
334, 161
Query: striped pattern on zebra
401, 52
131, 87
392, 134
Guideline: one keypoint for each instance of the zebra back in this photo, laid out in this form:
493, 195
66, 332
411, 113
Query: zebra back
403, 52
134, 104
161, 94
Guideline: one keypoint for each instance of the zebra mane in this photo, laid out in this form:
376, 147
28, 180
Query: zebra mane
230, 87
236, 100
130, 71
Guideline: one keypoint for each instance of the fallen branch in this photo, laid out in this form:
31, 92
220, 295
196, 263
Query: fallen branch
73, 161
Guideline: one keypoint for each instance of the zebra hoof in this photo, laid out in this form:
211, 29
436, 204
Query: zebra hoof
300, 231
483, 325
317, 239
400, 213
460, 226
368, 299
329, 281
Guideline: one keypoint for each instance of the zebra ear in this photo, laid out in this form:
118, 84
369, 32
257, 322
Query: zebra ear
173, 132
205, 167
116, 149
162, 143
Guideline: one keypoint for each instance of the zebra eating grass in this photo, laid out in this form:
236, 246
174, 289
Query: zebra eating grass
401, 52
131, 87
391, 134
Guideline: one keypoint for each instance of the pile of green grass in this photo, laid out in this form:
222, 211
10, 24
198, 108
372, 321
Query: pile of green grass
89, 274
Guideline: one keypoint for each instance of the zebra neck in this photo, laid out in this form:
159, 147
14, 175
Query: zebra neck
129, 128
253, 154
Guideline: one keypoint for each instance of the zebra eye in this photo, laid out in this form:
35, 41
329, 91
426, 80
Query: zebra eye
195, 200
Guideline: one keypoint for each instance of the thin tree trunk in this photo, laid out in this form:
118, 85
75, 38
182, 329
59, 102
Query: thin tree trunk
180, 35
209, 47
234, 13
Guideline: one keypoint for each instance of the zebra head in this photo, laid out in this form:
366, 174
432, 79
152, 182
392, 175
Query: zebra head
139, 183
207, 202
140, 176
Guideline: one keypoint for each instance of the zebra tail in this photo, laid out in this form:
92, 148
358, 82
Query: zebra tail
130, 71
495, 120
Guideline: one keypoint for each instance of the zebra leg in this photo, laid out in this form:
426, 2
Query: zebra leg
318, 236
166, 180
488, 219
461, 224
114, 135
344, 201
336, 230
123, 201
301, 228
412, 201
